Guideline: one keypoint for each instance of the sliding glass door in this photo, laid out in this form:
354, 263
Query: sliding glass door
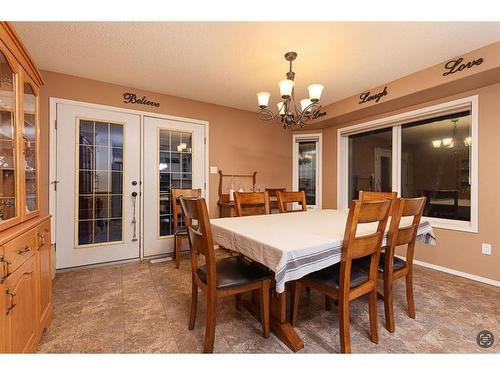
421, 155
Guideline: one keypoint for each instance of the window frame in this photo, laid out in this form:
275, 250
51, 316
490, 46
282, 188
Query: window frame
395, 122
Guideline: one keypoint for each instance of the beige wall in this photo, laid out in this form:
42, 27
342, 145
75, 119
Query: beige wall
456, 250
238, 143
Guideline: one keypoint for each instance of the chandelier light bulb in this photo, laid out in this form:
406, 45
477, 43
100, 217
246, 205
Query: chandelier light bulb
281, 108
263, 99
315, 91
286, 88
436, 143
304, 103
448, 142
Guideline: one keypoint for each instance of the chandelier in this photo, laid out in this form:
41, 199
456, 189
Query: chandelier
288, 113
453, 144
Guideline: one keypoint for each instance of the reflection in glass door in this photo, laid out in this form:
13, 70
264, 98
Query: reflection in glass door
370, 162
307, 168
30, 148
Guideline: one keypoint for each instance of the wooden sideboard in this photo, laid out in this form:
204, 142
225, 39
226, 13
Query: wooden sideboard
25, 244
25, 285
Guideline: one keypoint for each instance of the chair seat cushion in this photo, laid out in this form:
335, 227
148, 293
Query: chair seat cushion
236, 271
330, 276
398, 263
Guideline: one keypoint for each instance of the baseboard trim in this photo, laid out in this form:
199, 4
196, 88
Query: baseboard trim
465, 275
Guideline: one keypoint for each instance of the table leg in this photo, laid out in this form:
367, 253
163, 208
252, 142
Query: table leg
279, 322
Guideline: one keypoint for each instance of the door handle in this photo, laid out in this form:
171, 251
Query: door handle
134, 221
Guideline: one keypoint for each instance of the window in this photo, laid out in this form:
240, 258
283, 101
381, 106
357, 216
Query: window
174, 171
100, 182
307, 167
435, 163
430, 152
370, 162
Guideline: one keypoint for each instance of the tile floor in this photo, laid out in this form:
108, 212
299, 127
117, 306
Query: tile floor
143, 308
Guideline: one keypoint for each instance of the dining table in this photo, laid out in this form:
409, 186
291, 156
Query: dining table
293, 245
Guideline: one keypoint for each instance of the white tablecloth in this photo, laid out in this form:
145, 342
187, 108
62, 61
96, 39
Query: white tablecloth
294, 244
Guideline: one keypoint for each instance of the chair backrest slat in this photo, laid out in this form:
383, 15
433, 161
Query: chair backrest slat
286, 199
378, 196
364, 245
251, 203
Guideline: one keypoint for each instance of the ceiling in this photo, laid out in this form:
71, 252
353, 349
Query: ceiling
226, 63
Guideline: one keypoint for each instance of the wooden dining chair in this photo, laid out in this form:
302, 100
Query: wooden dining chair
286, 200
273, 198
225, 277
392, 267
180, 230
250, 203
345, 282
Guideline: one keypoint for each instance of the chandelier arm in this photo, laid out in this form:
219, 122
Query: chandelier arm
265, 114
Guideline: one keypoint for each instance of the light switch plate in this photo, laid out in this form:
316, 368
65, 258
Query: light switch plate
486, 248
214, 170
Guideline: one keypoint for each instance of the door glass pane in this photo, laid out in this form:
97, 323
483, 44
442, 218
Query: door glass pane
307, 170
435, 163
30, 148
174, 171
100, 202
370, 162
7, 141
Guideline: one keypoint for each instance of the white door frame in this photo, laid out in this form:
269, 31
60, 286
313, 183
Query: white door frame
53, 101
319, 164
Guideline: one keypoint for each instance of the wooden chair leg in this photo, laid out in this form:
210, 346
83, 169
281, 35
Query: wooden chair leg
210, 324
237, 300
294, 313
194, 304
389, 306
372, 310
409, 295
328, 303
344, 329
178, 244
264, 307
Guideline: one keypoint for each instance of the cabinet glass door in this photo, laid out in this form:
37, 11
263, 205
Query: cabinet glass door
7, 141
30, 150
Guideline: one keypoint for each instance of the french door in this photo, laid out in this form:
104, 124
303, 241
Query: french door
97, 182
174, 157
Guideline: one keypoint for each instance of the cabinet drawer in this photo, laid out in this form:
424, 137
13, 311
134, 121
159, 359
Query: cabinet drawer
17, 251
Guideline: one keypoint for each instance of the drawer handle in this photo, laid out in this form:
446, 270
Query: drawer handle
4, 260
12, 304
41, 239
25, 250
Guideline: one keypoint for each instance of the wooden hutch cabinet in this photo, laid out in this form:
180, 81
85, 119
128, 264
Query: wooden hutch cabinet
25, 254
